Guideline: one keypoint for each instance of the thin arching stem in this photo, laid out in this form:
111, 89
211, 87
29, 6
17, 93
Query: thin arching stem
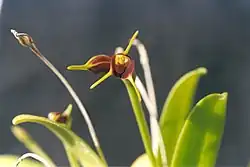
157, 140
144, 60
36, 51
155, 128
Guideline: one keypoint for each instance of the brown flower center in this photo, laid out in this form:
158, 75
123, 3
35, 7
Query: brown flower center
122, 65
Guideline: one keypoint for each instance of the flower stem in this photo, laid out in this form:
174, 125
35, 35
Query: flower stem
155, 128
26, 40
150, 101
141, 121
77, 100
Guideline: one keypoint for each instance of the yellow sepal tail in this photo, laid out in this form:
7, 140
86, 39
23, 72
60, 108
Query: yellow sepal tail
77, 67
131, 43
101, 80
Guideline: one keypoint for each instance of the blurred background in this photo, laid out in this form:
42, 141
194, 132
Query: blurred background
179, 35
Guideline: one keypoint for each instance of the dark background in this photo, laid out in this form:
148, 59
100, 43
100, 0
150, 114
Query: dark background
180, 35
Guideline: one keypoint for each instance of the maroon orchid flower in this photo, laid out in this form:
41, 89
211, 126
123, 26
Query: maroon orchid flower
119, 65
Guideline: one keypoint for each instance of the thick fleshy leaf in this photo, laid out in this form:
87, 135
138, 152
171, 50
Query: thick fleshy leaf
142, 161
24, 137
10, 161
200, 138
73, 144
176, 108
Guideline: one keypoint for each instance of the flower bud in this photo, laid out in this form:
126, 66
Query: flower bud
58, 117
62, 117
23, 38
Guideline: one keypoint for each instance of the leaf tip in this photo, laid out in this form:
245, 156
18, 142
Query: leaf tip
224, 96
201, 70
14, 120
19, 119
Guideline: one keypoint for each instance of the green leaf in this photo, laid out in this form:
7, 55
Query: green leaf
72, 143
10, 161
142, 161
200, 138
176, 108
24, 137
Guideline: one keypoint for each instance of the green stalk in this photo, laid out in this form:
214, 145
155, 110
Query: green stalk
140, 119
27, 41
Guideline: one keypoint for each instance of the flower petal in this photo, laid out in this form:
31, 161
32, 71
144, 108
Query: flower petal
97, 64
129, 70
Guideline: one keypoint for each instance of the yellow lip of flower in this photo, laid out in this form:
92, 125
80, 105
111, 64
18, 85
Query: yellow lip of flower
121, 59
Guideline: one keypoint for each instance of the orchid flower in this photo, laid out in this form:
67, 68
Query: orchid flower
120, 65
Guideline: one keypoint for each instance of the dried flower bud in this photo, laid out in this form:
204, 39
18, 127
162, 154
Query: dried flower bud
23, 38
